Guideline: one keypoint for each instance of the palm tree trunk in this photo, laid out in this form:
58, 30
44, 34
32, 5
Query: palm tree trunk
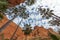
26, 38
15, 31
6, 24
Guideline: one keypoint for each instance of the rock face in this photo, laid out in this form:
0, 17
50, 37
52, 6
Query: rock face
15, 2
40, 32
3, 21
19, 35
10, 29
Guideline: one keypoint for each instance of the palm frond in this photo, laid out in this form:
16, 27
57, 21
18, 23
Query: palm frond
46, 13
30, 2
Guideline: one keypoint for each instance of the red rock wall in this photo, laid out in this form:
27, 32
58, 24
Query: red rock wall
3, 21
10, 29
40, 31
15, 2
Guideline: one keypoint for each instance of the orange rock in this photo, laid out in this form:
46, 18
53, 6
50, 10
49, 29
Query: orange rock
3, 21
40, 31
10, 29
19, 35
15, 2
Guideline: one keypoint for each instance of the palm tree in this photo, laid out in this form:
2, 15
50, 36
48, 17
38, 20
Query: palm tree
27, 30
18, 25
22, 14
47, 13
55, 22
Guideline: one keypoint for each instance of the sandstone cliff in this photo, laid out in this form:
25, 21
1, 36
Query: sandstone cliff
10, 29
19, 35
40, 32
15, 2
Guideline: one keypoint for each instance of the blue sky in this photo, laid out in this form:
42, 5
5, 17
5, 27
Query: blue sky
35, 18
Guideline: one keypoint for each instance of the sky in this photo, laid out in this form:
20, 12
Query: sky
35, 18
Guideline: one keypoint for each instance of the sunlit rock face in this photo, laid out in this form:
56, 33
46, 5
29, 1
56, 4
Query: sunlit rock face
41, 32
15, 2
10, 29
38, 31
3, 21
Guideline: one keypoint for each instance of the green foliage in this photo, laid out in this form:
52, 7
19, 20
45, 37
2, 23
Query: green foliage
28, 29
3, 5
53, 37
1, 16
30, 2
3, 0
